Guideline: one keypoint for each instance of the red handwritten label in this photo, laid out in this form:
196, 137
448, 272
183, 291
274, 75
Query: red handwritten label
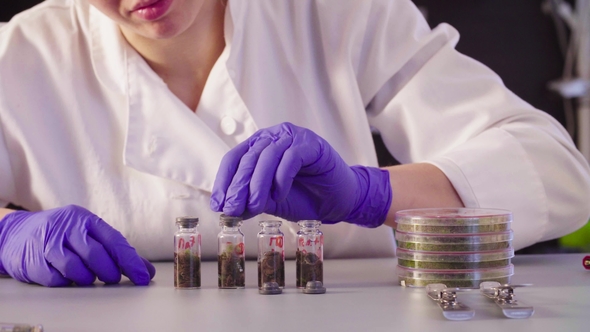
312, 244
182, 244
239, 250
278, 241
309, 243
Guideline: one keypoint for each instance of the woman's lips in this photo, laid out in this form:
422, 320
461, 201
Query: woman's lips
151, 10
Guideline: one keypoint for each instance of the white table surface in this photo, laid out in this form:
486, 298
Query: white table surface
363, 295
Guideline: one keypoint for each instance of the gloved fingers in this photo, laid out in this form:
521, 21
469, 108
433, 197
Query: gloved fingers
47, 276
123, 254
287, 169
95, 256
262, 177
150, 267
317, 156
297, 206
308, 156
329, 222
225, 174
238, 191
32, 268
69, 265
284, 129
231, 162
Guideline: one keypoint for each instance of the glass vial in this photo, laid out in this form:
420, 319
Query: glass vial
271, 254
309, 258
187, 253
231, 253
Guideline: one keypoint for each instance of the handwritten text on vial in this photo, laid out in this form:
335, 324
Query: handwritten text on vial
182, 244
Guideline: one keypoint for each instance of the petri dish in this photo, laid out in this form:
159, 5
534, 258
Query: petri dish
453, 220
454, 260
454, 242
409, 277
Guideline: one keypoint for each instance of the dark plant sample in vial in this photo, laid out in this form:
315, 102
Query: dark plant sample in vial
271, 269
187, 270
309, 267
231, 270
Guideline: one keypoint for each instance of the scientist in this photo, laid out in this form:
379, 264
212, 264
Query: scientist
116, 116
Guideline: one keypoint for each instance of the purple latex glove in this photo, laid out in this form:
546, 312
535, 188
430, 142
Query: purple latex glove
64, 245
292, 173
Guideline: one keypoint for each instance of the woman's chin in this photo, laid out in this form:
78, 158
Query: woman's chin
155, 30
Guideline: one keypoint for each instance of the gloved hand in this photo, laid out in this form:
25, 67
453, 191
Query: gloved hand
291, 172
64, 245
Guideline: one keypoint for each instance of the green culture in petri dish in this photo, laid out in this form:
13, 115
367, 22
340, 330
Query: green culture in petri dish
453, 221
452, 265
454, 246
467, 229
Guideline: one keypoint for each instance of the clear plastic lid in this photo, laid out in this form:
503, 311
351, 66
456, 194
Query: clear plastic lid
441, 275
454, 257
453, 278
453, 220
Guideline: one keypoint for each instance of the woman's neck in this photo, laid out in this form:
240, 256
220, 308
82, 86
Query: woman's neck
185, 61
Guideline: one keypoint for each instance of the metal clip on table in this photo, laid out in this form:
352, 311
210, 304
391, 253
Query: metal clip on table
503, 296
447, 301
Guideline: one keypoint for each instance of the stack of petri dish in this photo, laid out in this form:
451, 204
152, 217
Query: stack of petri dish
458, 247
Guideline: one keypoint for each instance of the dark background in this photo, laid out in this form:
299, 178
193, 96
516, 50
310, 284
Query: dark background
512, 37
10, 7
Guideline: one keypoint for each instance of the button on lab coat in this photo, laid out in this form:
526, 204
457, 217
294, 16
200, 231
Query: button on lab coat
85, 120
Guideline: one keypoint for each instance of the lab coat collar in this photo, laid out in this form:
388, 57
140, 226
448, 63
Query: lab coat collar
164, 137
108, 50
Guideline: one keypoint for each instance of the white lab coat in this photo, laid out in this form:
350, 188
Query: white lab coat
84, 119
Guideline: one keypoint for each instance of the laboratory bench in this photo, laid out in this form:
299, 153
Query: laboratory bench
362, 295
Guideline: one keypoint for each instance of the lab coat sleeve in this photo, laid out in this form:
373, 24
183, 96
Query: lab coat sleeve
443, 108
6, 178
7, 189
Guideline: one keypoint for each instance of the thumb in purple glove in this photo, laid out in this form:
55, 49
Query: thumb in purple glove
291, 172
64, 245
